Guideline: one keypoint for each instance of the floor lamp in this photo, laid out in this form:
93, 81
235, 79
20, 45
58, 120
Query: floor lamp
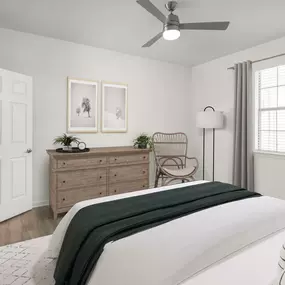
209, 119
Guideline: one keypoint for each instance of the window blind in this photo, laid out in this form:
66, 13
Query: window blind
270, 86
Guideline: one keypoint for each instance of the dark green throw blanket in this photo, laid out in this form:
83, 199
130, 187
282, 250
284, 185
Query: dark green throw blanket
96, 225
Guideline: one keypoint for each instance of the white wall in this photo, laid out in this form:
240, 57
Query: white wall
158, 92
269, 173
212, 84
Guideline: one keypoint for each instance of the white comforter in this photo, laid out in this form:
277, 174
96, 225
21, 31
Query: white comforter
171, 253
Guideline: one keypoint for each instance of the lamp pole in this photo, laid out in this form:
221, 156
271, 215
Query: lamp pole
213, 109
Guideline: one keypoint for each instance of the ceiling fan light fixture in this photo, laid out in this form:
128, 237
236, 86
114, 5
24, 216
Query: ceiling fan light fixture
171, 35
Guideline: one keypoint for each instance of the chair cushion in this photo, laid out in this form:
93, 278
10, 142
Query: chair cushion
180, 172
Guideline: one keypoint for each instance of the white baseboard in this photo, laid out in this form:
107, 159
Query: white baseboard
37, 204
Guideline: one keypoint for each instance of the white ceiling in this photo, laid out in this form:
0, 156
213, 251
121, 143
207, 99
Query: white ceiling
123, 25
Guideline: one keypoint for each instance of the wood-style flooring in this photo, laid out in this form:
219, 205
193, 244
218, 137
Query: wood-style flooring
35, 223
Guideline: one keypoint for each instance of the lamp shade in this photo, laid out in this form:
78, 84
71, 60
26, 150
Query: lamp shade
209, 120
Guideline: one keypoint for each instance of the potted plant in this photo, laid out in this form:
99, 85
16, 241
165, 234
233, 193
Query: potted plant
143, 141
66, 141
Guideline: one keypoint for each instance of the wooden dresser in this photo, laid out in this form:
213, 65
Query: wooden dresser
101, 172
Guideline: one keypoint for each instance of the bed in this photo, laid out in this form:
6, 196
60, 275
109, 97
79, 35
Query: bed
220, 246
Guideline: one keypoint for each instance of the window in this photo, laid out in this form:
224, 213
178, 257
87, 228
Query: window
270, 107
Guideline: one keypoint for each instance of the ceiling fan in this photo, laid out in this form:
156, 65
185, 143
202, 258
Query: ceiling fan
171, 24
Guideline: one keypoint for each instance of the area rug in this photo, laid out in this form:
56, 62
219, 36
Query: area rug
27, 263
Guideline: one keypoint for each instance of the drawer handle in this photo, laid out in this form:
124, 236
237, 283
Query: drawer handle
115, 159
64, 163
144, 172
144, 157
63, 199
143, 186
100, 177
63, 181
100, 160
100, 193
115, 174
115, 191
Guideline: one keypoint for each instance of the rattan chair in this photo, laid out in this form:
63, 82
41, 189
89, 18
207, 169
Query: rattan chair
170, 152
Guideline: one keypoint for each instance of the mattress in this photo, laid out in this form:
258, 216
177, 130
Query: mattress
256, 264
151, 258
58, 235
30, 263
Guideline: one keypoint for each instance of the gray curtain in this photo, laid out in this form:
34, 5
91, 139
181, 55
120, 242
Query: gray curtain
243, 132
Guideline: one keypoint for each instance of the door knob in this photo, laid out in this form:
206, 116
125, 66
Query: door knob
28, 150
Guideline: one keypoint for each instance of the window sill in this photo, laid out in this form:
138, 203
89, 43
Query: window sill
269, 153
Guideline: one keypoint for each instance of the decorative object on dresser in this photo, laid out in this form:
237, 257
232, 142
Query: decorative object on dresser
75, 177
73, 150
143, 141
82, 105
114, 108
170, 152
210, 119
66, 141
81, 146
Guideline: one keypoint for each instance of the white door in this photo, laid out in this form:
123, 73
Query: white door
16, 124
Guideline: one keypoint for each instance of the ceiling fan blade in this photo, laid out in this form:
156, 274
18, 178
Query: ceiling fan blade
152, 10
153, 40
219, 26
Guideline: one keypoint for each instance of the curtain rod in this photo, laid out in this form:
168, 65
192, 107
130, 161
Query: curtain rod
263, 59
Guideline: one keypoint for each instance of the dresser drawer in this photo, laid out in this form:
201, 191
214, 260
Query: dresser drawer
125, 187
67, 198
128, 158
81, 178
128, 173
81, 162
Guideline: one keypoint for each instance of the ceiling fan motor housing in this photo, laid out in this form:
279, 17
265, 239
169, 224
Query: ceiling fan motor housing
172, 23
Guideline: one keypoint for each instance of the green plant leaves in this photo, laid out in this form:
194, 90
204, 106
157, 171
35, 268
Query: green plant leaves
143, 141
65, 140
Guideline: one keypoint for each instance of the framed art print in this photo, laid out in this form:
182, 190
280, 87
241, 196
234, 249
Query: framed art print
82, 106
114, 114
